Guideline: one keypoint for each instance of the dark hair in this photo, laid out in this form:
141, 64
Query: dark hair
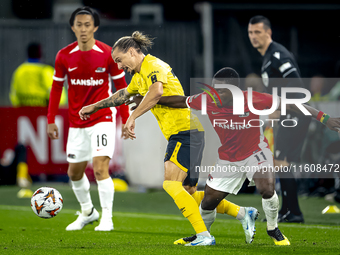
260, 19
34, 50
85, 10
137, 40
228, 75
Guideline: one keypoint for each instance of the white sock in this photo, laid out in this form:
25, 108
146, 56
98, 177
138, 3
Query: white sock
106, 193
271, 208
241, 213
81, 189
208, 217
204, 233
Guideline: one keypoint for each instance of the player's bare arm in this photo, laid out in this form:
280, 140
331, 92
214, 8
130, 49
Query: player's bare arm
116, 99
174, 101
331, 123
224, 95
170, 101
136, 99
150, 100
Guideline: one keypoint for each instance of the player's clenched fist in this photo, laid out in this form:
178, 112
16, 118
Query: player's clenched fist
52, 131
86, 111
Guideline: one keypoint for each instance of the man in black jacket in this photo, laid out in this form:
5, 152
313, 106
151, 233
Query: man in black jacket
279, 69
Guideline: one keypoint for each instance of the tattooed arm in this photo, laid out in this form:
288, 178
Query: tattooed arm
116, 99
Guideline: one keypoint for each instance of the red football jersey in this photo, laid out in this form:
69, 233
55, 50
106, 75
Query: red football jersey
89, 75
239, 140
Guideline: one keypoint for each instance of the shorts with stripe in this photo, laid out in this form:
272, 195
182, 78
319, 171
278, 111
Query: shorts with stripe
185, 149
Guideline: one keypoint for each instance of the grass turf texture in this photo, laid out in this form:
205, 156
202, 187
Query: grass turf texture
148, 223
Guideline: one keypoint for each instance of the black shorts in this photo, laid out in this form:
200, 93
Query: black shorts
289, 141
185, 149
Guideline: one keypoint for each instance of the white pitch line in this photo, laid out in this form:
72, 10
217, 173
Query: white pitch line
310, 226
158, 217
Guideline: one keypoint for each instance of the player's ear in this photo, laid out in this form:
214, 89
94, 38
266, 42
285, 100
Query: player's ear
73, 29
131, 51
95, 29
269, 31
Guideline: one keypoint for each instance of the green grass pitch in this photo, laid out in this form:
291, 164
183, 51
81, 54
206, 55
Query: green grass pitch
148, 223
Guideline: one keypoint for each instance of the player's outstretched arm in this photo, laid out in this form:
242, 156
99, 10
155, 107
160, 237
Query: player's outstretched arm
170, 101
174, 101
331, 123
136, 99
118, 98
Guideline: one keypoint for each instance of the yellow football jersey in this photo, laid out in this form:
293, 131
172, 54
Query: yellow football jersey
31, 85
170, 120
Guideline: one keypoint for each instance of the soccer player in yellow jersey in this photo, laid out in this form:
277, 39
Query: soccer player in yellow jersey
153, 78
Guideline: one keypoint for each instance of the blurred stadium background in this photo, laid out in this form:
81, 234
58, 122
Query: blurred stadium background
196, 39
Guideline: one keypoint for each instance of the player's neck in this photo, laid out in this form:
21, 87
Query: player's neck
264, 49
87, 45
140, 60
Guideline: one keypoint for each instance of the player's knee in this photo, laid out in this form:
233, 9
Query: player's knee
101, 173
98, 174
74, 175
266, 192
190, 189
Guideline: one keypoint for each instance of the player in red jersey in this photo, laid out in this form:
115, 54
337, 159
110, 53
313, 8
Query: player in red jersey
244, 152
90, 70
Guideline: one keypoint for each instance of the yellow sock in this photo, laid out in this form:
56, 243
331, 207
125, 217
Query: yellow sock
224, 207
186, 204
22, 170
198, 196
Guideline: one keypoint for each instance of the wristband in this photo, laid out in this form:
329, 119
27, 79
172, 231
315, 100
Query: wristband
322, 117
319, 115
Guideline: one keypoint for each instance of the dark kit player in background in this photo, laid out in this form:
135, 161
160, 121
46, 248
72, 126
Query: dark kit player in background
279, 69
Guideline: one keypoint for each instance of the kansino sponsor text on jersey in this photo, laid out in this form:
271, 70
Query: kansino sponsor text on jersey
87, 82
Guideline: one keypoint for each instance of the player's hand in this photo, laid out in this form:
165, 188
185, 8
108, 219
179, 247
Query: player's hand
135, 99
124, 133
52, 131
86, 111
334, 124
130, 128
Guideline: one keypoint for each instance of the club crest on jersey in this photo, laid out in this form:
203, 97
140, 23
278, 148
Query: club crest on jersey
100, 70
